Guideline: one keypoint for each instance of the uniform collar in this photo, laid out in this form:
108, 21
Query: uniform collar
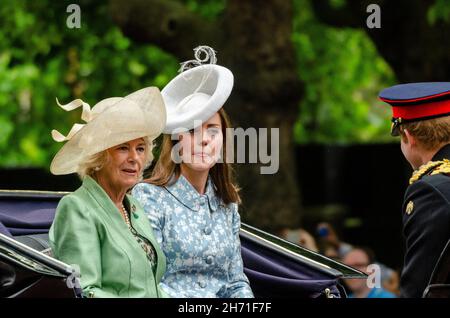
443, 153
185, 192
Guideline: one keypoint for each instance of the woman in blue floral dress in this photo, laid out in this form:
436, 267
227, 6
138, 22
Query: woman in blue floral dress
191, 198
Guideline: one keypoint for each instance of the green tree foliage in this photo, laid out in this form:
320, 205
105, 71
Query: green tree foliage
208, 9
343, 75
41, 59
439, 12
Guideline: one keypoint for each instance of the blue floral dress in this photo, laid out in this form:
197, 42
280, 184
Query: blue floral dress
200, 238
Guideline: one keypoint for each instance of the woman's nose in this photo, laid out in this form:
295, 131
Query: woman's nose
206, 139
205, 142
132, 155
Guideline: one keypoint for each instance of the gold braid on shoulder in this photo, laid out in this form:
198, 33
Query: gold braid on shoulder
431, 168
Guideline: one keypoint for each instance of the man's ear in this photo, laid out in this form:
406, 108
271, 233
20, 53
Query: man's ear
408, 138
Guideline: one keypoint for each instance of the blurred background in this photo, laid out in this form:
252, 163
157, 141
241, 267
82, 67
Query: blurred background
311, 68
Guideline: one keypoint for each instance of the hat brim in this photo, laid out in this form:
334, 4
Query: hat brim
209, 80
140, 114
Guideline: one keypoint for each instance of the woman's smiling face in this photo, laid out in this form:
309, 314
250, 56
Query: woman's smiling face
124, 167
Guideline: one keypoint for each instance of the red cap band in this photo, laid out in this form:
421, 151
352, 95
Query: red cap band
422, 110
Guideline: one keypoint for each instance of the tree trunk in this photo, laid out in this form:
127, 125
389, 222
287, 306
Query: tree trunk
254, 41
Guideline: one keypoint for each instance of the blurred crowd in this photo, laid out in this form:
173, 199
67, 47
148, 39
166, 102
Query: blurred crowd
382, 282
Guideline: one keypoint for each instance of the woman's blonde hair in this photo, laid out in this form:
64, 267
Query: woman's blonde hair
97, 161
431, 133
222, 173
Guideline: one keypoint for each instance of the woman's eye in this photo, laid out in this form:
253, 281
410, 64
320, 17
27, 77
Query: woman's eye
141, 149
122, 148
214, 131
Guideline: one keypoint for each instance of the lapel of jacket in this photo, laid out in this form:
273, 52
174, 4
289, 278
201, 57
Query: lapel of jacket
111, 213
103, 200
137, 219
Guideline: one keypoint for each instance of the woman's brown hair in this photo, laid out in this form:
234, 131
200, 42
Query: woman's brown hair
222, 173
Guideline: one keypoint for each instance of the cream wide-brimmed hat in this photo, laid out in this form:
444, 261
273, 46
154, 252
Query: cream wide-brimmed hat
110, 122
198, 93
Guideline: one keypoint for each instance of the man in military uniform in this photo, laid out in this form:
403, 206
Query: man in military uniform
421, 117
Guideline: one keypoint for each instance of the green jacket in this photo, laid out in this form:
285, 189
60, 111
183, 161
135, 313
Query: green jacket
89, 231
